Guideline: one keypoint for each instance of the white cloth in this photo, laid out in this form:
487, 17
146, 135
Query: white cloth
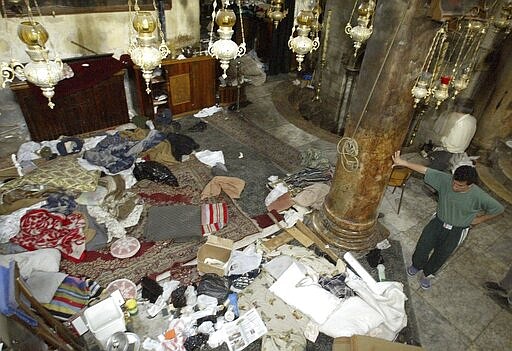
302, 293
10, 224
279, 190
43, 285
115, 228
456, 131
44, 260
210, 158
353, 317
244, 261
390, 304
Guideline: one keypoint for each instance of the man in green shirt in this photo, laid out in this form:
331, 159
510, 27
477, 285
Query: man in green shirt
461, 205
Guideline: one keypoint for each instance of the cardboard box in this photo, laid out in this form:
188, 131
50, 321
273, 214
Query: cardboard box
215, 248
368, 343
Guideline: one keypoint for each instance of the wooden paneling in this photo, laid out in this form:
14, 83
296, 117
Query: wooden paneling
101, 106
190, 85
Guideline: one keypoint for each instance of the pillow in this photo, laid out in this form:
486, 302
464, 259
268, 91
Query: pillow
62, 172
353, 316
45, 260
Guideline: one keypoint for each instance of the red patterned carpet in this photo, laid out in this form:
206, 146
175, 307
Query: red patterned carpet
157, 257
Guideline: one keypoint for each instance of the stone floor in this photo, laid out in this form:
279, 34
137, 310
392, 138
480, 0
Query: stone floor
456, 314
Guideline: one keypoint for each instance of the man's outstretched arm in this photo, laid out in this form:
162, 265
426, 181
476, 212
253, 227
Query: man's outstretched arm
398, 161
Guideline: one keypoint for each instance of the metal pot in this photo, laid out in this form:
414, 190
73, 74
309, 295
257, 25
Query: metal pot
123, 342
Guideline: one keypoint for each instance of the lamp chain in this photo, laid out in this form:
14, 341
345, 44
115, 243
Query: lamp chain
160, 31
350, 150
430, 53
348, 27
241, 25
213, 22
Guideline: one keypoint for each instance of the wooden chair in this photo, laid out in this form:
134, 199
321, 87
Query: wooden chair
49, 329
398, 179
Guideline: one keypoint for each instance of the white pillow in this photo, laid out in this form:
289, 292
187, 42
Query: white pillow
353, 316
45, 260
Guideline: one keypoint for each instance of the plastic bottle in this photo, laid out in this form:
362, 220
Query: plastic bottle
382, 272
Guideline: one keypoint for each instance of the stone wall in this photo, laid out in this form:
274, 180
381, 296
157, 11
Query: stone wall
100, 32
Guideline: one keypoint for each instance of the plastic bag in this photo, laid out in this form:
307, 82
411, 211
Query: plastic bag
155, 172
213, 285
194, 342
178, 298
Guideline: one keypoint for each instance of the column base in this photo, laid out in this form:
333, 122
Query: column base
347, 239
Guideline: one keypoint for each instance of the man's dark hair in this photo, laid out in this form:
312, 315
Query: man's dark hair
464, 105
466, 174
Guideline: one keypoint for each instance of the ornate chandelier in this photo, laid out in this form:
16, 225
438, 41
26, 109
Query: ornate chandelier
364, 29
276, 12
41, 70
449, 63
143, 48
302, 44
225, 49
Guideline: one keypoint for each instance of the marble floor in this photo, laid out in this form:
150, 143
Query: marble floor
455, 314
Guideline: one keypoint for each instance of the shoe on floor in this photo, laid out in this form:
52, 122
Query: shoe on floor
425, 283
412, 271
503, 302
496, 288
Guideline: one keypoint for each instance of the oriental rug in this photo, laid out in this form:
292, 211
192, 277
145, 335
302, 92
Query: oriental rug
156, 257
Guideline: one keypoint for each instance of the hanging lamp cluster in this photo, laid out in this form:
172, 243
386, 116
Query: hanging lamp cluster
144, 49
302, 44
449, 63
42, 70
276, 12
364, 29
224, 49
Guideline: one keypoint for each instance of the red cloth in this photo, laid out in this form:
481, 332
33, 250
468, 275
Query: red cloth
43, 229
265, 221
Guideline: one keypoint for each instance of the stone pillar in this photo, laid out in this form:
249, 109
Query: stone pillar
494, 108
348, 218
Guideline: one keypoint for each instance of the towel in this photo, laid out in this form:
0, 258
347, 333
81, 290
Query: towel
232, 186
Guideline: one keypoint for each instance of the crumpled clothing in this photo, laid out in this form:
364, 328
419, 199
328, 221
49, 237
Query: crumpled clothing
302, 292
60, 203
275, 193
115, 228
111, 153
312, 195
336, 285
285, 324
232, 186
160, 153
117, 154
210, 158
8, 208
307, 176
10, 224
41, 229
181, 145
282, 203
213, 217
314, 158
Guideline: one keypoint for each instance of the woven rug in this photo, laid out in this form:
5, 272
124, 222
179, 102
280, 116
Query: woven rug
157, 257
247, 133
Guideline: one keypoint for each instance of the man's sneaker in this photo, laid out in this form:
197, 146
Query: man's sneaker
495, 288
412, 271
425, 283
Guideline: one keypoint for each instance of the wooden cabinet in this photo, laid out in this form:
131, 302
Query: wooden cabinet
189, 85
93, 99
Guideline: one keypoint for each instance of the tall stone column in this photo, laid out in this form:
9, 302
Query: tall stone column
494, 110
380, 112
